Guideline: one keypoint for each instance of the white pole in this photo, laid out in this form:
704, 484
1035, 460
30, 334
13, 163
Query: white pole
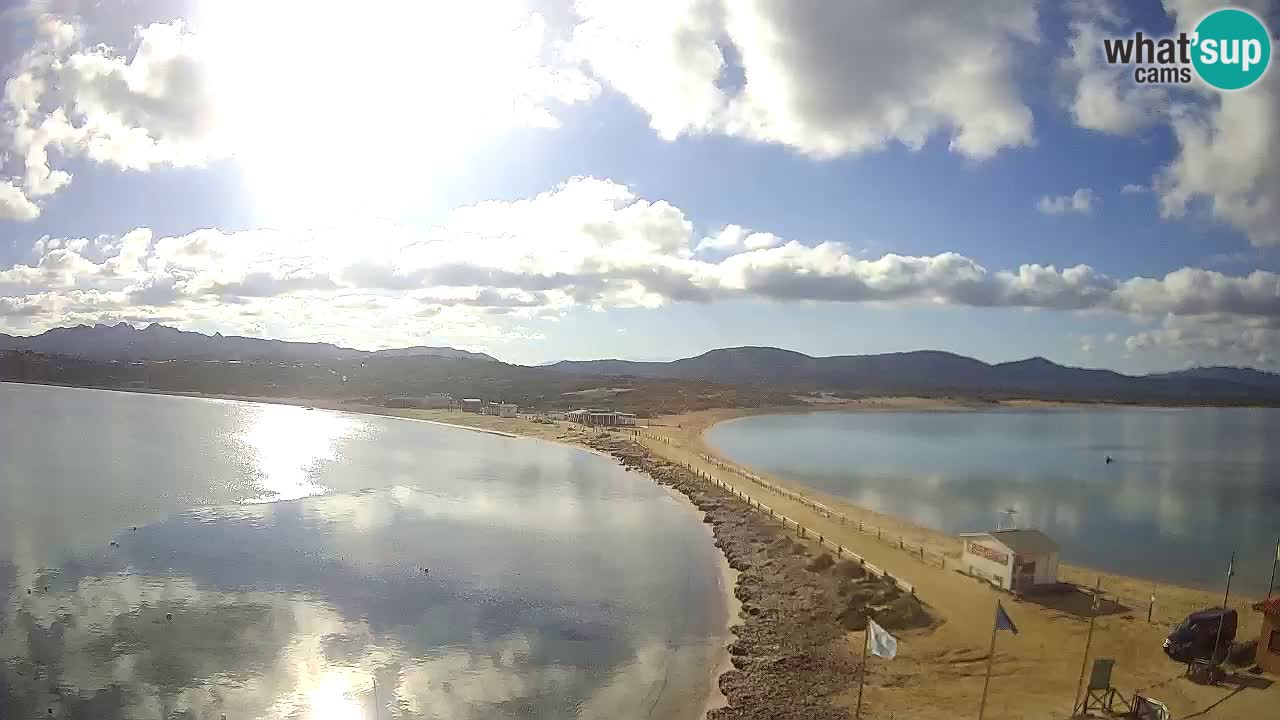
862, 676
991, 656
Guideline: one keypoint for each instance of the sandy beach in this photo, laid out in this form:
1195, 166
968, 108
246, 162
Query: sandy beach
941, 669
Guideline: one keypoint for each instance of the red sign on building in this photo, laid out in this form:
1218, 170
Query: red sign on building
991, 554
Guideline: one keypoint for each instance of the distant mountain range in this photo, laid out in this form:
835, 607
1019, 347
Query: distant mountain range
761, 370
932, 372
124, 342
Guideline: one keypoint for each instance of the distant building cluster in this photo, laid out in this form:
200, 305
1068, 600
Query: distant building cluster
587, 416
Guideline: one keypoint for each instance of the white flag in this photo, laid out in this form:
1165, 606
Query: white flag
882, 643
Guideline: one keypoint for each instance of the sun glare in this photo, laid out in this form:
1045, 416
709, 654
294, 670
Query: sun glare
336, 110
286, 444
335, 698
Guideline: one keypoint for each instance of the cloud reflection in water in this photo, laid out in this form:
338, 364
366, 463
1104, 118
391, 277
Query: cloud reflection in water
295, 609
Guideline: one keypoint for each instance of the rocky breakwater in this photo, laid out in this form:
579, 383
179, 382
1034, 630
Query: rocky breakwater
790, 656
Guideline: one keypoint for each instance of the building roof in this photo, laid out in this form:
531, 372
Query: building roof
1021, 542
1270, 607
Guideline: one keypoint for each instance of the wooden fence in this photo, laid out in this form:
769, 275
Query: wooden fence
801, 531
917, 551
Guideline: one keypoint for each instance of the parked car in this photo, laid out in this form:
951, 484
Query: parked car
1195, 637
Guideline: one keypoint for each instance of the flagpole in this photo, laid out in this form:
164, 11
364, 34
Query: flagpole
1231, 567
991, 656
1271, 585
1088, 644
862, 676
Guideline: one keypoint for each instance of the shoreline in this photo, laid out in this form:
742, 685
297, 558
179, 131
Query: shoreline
731, 606
935, 670
693, 428
789, 658
690, 430
709, 695
938, 666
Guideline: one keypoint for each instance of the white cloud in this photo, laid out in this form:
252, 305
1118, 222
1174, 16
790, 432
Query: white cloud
736, 237
14, 204
245, 82
1229, 157
1080, 201
1192, 291
1228, 154
490, 272
1213, 340
1133, 189
662, 55
825, 79
1105, 97
154, 108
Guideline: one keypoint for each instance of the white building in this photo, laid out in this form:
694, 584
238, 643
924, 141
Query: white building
499, 409
605, 418
1016, 560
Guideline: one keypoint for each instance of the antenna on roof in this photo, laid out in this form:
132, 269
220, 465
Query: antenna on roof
1006, 521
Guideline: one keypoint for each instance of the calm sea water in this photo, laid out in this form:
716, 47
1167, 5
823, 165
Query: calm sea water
1188, 486
288, 545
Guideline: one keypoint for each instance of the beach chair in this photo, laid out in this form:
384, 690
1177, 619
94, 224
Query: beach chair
1100, 695
1145, 708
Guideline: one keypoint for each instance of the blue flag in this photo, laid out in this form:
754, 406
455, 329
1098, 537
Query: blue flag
1003, 621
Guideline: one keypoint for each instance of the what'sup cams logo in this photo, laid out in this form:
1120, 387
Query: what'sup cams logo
1230, 50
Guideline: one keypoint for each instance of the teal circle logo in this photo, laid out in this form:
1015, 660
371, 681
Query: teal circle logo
1232, 49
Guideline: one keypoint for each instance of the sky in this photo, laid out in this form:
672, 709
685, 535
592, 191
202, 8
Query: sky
550, 179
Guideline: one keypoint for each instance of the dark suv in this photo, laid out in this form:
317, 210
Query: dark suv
1194, 638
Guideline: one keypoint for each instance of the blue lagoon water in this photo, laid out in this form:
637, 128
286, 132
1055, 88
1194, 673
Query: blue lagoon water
1188, 486
293, 563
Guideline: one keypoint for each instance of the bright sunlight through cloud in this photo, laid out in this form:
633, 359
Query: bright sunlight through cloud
336, 113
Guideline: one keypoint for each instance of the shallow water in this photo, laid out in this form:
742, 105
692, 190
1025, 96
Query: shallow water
277, 568
1186, 488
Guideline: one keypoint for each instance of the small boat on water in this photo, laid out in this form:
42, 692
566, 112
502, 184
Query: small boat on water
1109, 460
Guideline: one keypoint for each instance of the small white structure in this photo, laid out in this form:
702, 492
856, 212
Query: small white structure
1017, 560
498, 409
474, 405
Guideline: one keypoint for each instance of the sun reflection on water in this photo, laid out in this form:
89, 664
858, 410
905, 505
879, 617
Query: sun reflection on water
286, 444
337, 697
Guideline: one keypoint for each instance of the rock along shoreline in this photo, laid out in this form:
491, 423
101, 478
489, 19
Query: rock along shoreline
790, 658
